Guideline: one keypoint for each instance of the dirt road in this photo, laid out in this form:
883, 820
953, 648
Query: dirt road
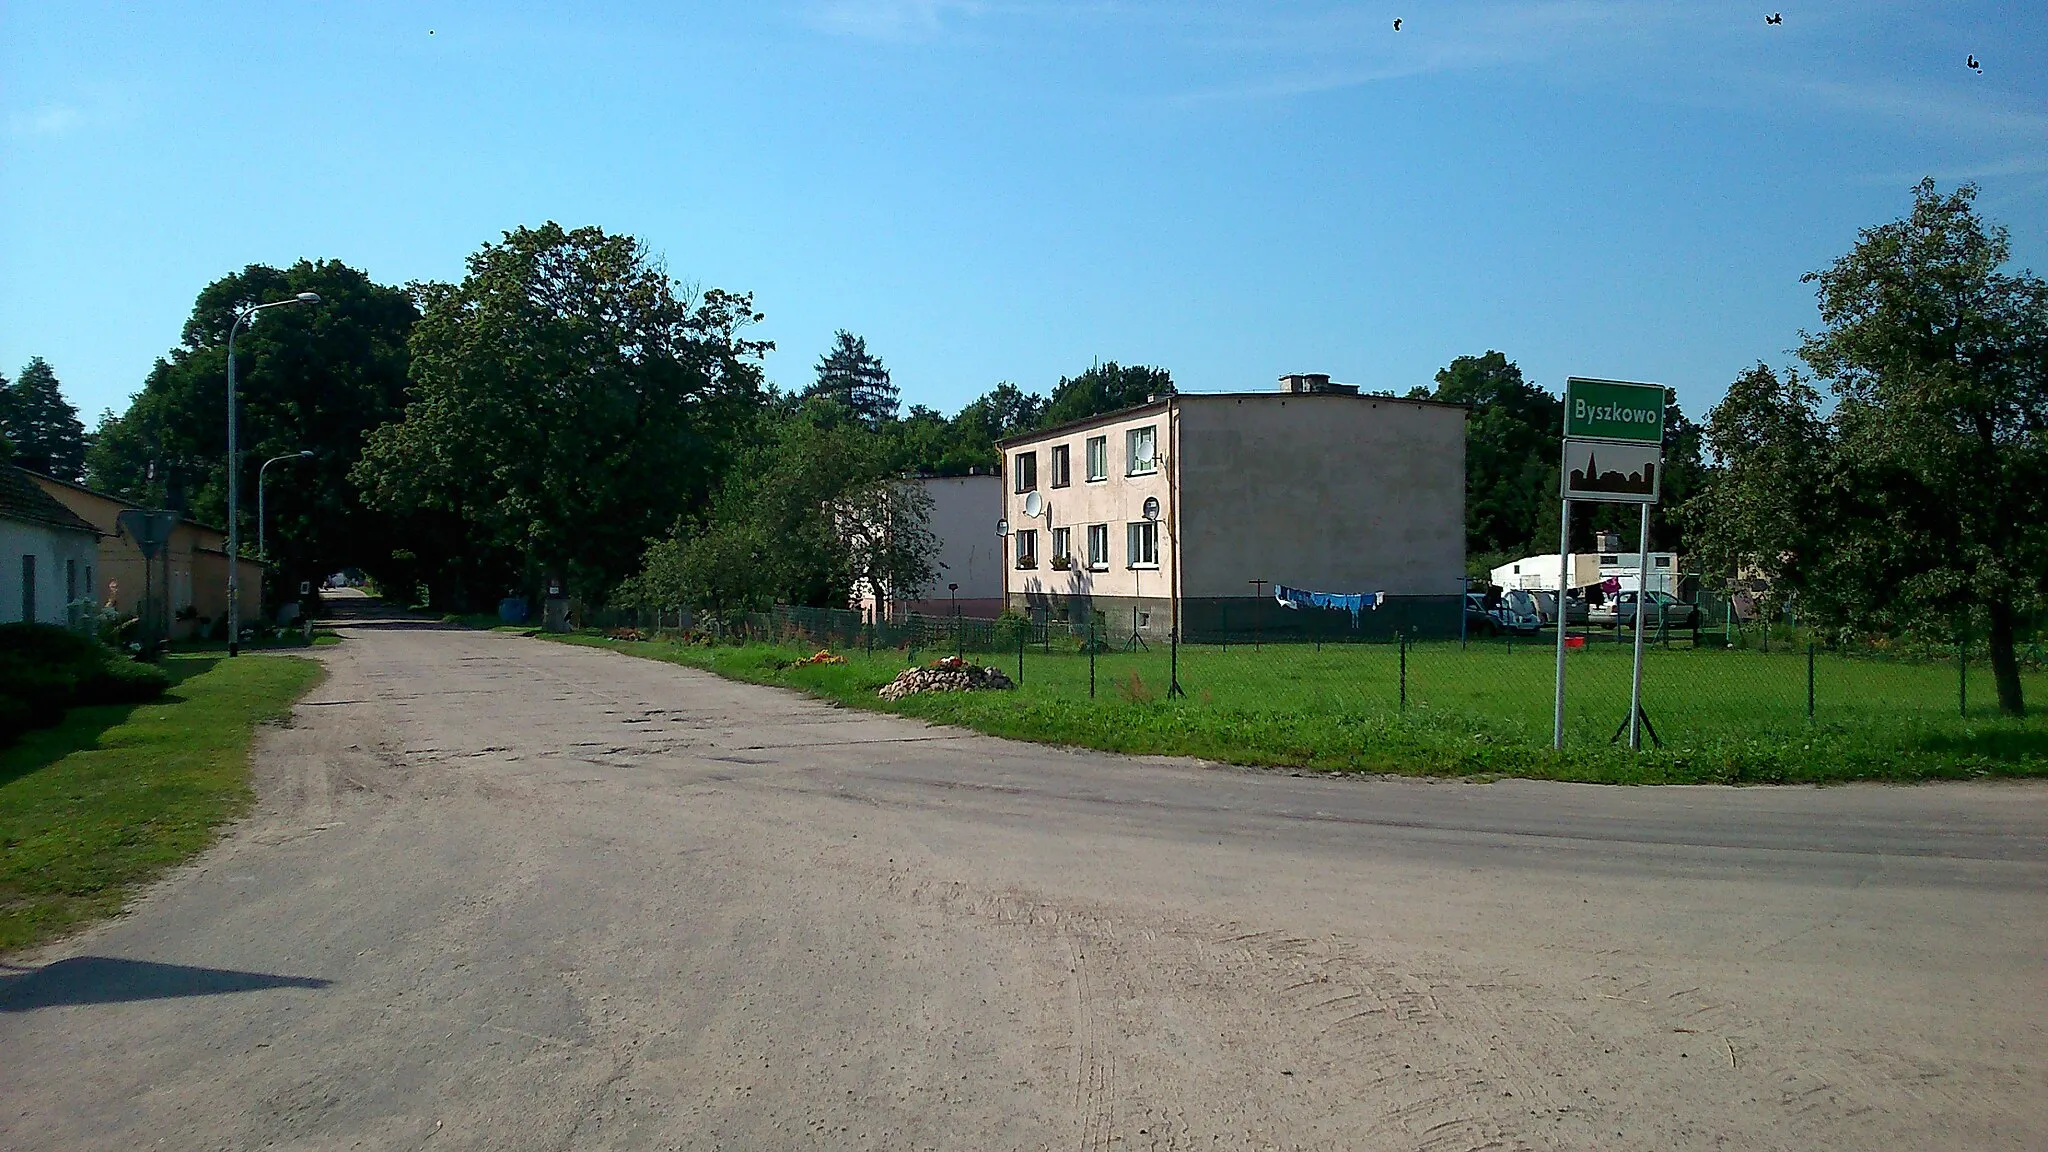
505, 894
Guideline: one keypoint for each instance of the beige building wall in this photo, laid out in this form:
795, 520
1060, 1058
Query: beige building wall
1113, 503
192, 573
1328, 492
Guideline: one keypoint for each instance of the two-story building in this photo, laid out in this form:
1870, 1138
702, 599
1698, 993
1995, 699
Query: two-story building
1192, 508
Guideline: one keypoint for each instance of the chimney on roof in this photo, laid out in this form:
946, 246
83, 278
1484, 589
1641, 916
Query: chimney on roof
1310, 382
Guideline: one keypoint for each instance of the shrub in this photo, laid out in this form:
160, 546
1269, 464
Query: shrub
14, 719
46, 644
118, 681
1011, 629
46, 669
44, 690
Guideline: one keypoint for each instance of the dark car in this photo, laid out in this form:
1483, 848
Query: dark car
1513, 613
1574, 607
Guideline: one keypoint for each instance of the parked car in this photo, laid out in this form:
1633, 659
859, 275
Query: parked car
1666, 611
1514, 614
1546, 607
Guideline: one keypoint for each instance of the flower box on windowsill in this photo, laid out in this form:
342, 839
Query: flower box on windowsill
1061, 564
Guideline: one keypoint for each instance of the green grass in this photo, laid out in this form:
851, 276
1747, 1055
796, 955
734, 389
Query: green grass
112, 796
1725, 716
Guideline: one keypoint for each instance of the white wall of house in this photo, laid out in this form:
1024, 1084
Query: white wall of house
62, 561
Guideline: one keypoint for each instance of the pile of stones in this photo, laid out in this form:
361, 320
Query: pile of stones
951, 674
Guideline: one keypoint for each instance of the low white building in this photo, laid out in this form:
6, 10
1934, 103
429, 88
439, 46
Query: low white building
964, 511
1539, 573
46, 553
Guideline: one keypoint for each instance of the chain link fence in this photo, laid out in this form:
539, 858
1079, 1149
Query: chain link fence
1710, 676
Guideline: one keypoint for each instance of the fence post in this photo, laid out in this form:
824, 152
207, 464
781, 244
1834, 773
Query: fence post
1091, 659
1023, 638
1401, 642
1173, 687
1963, 676
1809, 681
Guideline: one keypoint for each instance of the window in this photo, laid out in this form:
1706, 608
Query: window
1062, 473
1141, 445
1027, 471
1027, 547
1610, 559
1098, 458
70, 581
1062, 547
1098, 546
1144, 540
28, 589
1662, 562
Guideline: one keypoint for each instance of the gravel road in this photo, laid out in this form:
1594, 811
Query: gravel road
506, 894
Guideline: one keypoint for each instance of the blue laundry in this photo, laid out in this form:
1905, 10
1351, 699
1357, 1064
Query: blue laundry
1352, 602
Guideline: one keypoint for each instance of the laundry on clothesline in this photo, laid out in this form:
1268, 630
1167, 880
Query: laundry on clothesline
1352, 602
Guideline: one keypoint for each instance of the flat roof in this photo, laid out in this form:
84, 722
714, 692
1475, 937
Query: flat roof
1160, 405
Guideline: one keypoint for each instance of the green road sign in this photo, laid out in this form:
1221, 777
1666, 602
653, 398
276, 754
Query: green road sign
1613, 410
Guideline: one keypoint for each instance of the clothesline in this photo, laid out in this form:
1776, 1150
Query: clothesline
1352, 602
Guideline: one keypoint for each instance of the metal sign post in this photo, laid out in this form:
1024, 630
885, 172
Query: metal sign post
1613, 454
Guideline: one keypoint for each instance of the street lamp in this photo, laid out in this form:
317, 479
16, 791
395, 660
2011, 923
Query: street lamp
263, 553
234, 478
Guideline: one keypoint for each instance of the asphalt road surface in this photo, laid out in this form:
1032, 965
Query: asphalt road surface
507, 894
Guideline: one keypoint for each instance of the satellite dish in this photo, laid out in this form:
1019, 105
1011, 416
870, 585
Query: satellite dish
1151, 507
1034, 505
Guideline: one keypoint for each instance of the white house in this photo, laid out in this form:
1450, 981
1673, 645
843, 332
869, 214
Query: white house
46, 553
964, 511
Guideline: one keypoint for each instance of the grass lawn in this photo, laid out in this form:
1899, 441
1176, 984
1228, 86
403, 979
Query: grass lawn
113, 795
1728, 716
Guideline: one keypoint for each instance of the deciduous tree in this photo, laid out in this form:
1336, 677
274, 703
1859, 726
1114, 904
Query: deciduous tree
570, 401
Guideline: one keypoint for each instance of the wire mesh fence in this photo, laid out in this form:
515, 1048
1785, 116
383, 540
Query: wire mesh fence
1710, 677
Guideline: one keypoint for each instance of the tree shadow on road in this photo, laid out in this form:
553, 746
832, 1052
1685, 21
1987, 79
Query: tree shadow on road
112, 980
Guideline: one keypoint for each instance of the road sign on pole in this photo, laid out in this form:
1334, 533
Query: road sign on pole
1613, 454
1613, 410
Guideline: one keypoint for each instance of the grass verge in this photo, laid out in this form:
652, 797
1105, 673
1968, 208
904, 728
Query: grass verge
1727, 717
113, 795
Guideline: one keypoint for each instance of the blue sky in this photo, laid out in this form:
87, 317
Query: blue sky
1009, 190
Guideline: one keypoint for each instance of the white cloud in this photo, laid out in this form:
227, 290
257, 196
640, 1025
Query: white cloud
890, 19
51, 120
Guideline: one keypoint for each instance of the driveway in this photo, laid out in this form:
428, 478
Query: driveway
507, 894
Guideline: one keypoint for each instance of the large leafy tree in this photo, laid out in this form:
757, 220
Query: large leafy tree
815, 505
856, 378
1105, 388
42, 425
570, 401
1511, 453
312, 378
1921, 501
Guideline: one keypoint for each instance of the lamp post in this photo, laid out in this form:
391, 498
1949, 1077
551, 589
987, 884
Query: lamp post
263, 553
954, 589
234, 469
